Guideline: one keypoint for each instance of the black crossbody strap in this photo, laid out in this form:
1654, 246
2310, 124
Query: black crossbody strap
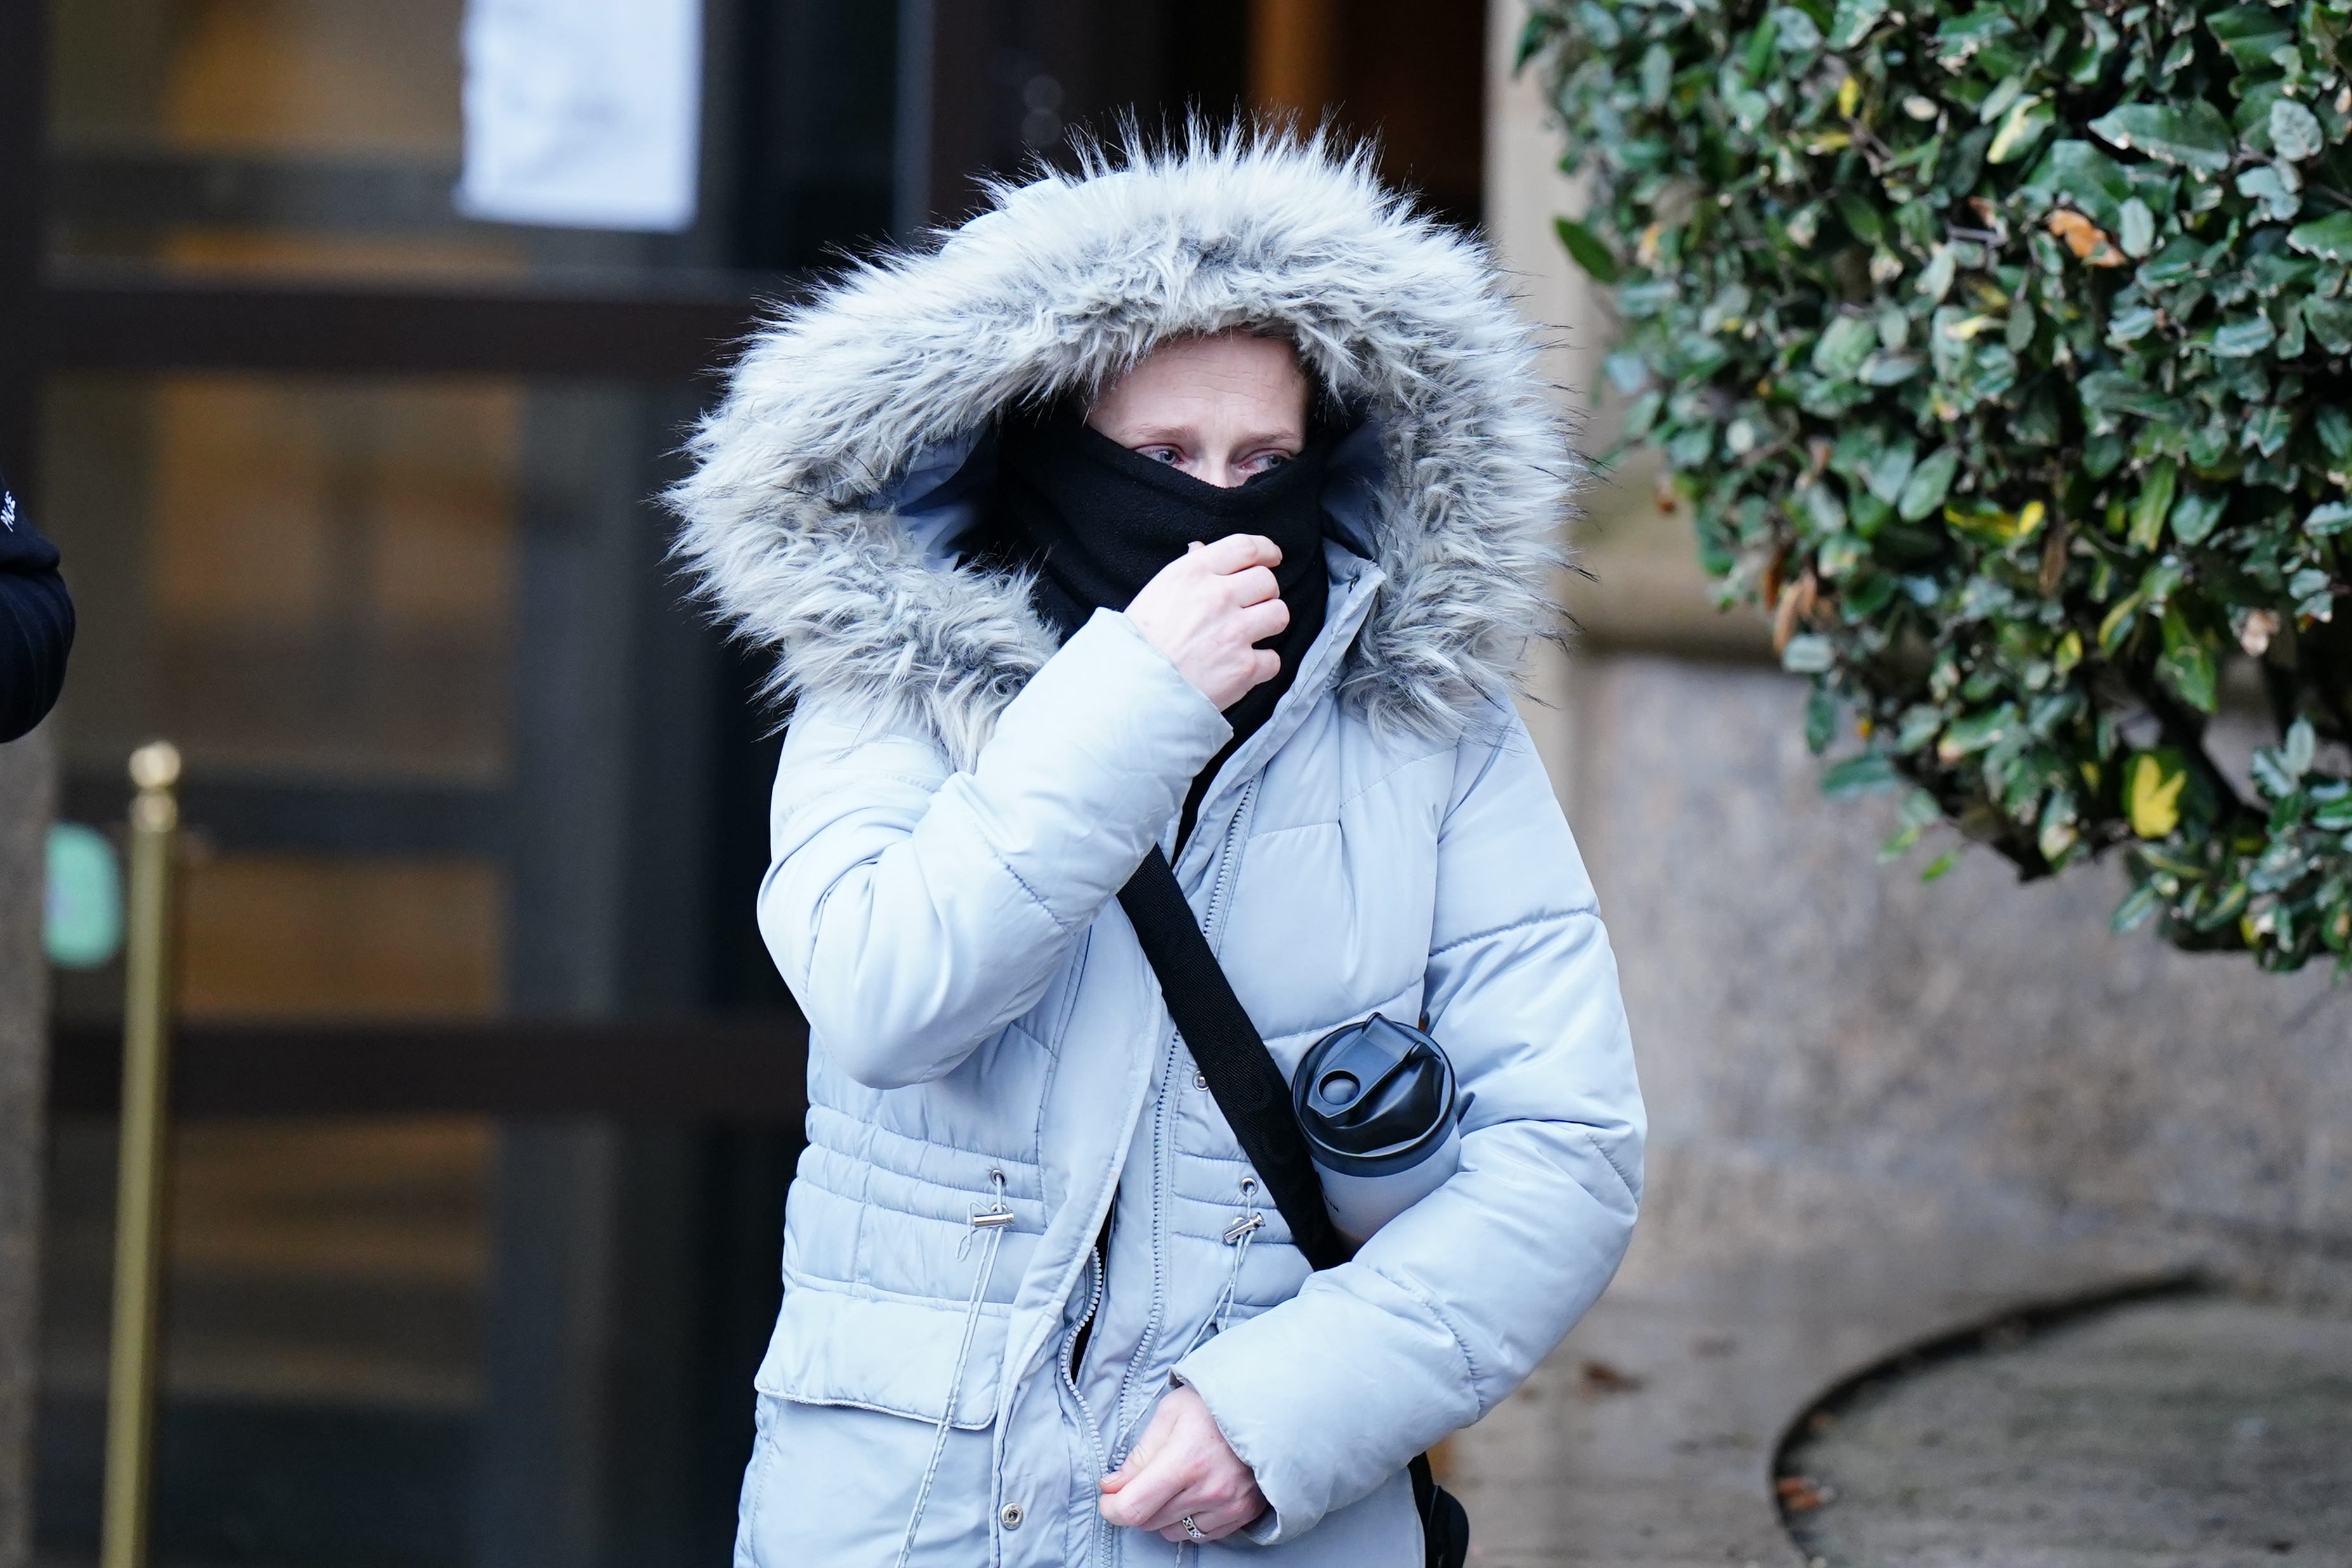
1250, 1089
1248, 1086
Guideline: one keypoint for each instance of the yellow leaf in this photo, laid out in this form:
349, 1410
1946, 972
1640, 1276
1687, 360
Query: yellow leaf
2152, 794
1829, 142
1849, 96
1982, 519
2069, 653
1967, 327
2012, 131
2111, 628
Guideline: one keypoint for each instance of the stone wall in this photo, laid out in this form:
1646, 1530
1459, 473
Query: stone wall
1823, 1036
27, 782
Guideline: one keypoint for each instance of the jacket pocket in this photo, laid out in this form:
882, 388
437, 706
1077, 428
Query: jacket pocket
894, 1355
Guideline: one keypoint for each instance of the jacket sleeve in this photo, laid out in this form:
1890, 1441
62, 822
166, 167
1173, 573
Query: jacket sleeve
914, 911
1450, 1305
36, 622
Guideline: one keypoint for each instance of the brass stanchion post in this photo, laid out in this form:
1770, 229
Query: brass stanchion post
139, 1202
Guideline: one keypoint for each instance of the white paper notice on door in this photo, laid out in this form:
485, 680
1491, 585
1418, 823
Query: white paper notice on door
583, 114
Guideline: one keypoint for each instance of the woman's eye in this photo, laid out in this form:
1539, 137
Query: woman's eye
1162, 455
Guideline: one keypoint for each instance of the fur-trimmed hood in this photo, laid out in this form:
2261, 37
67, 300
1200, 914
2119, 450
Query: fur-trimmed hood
792, 524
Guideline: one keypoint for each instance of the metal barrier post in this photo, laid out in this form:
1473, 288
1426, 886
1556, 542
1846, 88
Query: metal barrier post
139, 1204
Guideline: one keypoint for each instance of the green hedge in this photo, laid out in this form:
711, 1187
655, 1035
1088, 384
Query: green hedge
2002, 354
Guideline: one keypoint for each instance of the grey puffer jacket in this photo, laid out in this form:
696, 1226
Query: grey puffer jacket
992, 1065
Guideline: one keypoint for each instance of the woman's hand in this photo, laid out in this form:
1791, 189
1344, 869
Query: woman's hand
1207, 608
1183, 1466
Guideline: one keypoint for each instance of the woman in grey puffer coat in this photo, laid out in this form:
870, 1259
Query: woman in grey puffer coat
993, 1074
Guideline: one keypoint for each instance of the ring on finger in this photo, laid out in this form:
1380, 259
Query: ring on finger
1190, 1529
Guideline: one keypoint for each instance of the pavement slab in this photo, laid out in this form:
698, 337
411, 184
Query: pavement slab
2200, 1433
1647, 1440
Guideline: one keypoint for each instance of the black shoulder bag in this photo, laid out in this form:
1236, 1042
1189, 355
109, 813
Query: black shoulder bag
1250, 1089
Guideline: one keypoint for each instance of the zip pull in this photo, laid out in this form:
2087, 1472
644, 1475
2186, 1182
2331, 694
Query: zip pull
1240, 1229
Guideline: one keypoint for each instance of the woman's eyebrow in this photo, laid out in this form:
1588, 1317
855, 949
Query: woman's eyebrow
1185, 434
1282, 437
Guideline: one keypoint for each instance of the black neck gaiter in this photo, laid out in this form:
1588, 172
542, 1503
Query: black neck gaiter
1098, 521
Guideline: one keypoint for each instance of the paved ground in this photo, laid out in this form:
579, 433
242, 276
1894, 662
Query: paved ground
2205, 1433
1646, 1441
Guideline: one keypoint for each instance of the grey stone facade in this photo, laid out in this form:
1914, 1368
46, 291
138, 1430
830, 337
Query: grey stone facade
1819, 1034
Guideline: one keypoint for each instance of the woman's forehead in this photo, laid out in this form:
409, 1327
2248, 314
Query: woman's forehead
1227, 369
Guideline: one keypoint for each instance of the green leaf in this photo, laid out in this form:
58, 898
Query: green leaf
2329, 237
1978, 732
2279, 200
1865, 774
1808, 654
2251, 34
1657, 76
2295, 132
1961, 38
2300, 749
2331, 322
2334, 427
1821, 720
1854, 21
2324, 521
2085, 177
1941, 863
2154, 505
2188, 665
1929, 484
2133, 912
2194, 515
2116, 392
1843, 345
1862, 219
1891, 470
2136, 229
2191, 134
1586, 250
2244, 338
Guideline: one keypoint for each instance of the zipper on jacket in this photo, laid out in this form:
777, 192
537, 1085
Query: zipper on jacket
1160, 1139
1069, 1369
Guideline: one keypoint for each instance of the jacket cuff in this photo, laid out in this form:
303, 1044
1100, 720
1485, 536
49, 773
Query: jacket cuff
1090, 763
1108, 686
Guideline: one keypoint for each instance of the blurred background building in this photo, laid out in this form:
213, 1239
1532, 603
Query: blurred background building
489, 1095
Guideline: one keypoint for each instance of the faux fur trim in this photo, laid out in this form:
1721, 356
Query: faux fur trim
1063, 285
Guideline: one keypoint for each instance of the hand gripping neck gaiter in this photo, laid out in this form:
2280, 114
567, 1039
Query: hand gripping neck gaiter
1097, 521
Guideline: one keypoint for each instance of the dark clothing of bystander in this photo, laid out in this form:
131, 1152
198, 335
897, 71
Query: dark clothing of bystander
36, 621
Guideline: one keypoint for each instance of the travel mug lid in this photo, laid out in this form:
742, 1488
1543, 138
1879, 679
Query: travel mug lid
1378, 1092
